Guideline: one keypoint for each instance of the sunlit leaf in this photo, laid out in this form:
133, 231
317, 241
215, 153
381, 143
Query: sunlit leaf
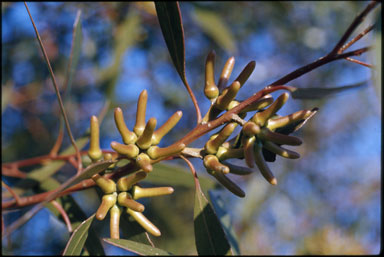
138, 248
78, 238
210, 238
315, 93
214, 26
169, 16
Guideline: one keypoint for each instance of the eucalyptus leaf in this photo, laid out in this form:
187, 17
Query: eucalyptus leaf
138, 248
169, 16
210, 238
78, 238
316, 93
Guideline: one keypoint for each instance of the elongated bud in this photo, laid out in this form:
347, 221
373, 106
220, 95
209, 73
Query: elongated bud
109, 156
144, 162
131, 150
94, 151
213, 144
247, 71
259, 104
144, 222
211, 162
275, 123
227, 183
278, 138
106, 203
138, 192
274, 148
124, 199
140, 113
156, 152
224, 153
211, 91
227, 96
128, 136
114, 224
250, 129
261, 118
248, 146
238, 170
166, 127
226, 73
125, 183
145, 140
107, 185
262, 165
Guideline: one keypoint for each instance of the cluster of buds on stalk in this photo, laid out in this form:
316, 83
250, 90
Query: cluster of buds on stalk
125, 192
260, 138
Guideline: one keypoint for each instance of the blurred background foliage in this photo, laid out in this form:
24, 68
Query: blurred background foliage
327, 202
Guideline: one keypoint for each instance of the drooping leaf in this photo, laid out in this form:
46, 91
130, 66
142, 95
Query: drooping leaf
225, 220
176, 175
169, 16
214, 26
138, 248
316, 93
78, 238
210, 238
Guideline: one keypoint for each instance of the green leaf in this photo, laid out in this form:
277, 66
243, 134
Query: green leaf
225, 219
169, 16
210, 238
214, 26
141, 249
316, 93
176, 175
78, 238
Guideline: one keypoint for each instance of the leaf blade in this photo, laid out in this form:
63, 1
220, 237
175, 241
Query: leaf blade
136, 247
76, 242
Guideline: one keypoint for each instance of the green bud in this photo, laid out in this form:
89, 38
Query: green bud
145, 140
114, 224
128, 136
131, 150
211, 162
144, 222
227, 96
167, 126
125, 183
238, 170
224, 153
106, 203
107, 185
259, 104
247, 71
274, 148
226, 73
94, 151
144, 162
262, 117
262, 165
140, 113
124, 199
211, 91
227, 183
279, 122
213, 144
248, 145
250, 129
138, 192
156, 152
277, 138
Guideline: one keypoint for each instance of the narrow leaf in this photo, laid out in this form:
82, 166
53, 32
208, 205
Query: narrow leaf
316, 93
210, 238
78, 238
169, 16
214, 26
138, 248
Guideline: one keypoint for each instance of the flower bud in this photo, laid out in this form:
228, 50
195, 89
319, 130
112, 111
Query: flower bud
238, 170
107, 185
262, 117
250, 129
131, 150
124, 199
156, 152
94, 151
138, 192
227, 183
262, 165
224, 153
259, 104
211, 162
145, 140
128, 136
248, 144
144, 162
227, 96
213, 144
278, 138
289, 119
114, 224
144, 222
125, 183
247, 71
226, 73
106, 203
167, 126
140, 113
110, 157
280, 150
211, 91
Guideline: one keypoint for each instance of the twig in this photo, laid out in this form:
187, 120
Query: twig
359, 62
63, 214
355, 39
13, 193
79, 168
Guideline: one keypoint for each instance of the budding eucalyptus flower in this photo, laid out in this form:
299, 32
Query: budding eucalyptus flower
140, 113
114, 225
106, 203
94, 151
144, 222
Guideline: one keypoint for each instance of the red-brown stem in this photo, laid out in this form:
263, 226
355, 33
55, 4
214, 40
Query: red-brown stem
13, 193
63, 214
355, 39
359, 62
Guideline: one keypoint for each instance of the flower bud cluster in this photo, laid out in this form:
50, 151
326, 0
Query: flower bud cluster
124, 194
260, 138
